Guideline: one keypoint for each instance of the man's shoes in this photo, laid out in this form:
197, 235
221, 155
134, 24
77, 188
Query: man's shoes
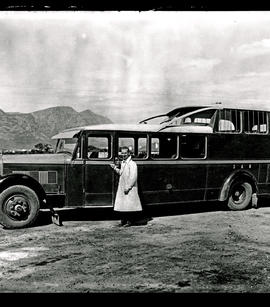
122, 223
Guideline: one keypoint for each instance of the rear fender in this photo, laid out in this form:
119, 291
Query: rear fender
239, 175
23, 179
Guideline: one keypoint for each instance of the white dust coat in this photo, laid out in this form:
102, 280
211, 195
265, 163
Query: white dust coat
128, 179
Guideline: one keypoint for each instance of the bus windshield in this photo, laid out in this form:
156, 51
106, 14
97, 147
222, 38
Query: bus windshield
66, 145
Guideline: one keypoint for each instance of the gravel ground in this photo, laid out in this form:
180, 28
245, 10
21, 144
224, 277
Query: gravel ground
193, 248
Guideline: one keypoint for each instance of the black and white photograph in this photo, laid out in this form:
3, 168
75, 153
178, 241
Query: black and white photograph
134, 151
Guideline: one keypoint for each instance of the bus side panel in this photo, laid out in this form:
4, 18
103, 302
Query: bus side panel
264, 178
41, 173
242, 146
227, 147
229, 153
189, 182
171, 182
218, 173
152, 182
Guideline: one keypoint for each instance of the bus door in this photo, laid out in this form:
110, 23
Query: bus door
157, 173
137, 143
99, 177
74, 183
191, 172
75, 176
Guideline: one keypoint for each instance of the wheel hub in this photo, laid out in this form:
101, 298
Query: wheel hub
239, 195
17, 207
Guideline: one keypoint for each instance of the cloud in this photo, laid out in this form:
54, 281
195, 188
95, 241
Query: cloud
201, 63
131, 63
256, 48
254, 74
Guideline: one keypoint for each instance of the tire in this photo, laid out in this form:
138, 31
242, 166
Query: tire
239, 196
19, 207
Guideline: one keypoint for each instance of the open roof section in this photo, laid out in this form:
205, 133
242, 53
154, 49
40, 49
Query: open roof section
183, 110
177, 112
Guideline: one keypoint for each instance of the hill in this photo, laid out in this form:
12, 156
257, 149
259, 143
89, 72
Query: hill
24, 130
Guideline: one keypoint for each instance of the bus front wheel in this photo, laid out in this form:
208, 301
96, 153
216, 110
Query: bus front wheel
19, 207
240, 196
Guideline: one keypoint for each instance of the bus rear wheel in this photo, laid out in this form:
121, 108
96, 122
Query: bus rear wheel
240, 196
19, 207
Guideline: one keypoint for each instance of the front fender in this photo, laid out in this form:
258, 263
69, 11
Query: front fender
23, 179
237, 175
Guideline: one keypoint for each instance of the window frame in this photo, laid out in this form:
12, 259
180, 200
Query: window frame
256, 133
158, 137
198, 112
205, 147
147, 150
79, 148
102, 135
216, 130
135, 137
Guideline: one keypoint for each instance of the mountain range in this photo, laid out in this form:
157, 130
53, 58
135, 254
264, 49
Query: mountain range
24, 130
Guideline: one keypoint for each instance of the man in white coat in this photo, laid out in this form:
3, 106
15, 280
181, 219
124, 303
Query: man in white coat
127, 201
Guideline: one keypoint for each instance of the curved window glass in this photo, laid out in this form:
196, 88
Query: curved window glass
66, 145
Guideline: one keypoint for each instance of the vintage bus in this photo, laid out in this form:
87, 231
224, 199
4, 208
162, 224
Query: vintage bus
190, 154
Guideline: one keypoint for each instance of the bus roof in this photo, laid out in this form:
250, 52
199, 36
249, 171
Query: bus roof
70, 133
143, 127
218, 106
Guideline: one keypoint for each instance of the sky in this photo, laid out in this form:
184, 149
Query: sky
132, 65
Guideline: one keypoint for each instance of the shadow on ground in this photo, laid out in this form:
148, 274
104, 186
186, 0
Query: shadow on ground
103, 214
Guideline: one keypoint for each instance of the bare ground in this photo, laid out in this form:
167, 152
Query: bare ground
194, 248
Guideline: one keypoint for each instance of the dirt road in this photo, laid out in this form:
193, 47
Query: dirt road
192, 248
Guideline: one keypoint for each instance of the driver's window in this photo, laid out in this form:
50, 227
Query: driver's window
98, 147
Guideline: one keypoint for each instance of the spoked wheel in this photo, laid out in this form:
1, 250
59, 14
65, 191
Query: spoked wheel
19, 207
240, 196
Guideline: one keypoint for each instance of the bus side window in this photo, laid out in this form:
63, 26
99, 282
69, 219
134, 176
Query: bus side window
154, 147
164, 147
192, 146
142, 148
229, 121
126, 142
255, 122
225, 125
98, 147
137, 146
